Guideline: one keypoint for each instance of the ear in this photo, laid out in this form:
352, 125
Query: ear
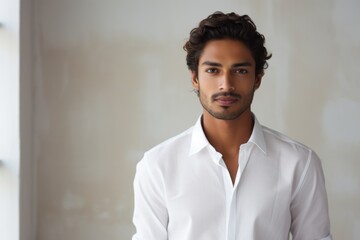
194, 80
258, 80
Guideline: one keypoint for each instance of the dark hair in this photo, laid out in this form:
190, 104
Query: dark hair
226, 26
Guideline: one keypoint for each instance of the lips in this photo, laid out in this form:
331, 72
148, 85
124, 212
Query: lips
226, 100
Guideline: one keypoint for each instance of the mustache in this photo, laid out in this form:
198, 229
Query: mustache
225, 94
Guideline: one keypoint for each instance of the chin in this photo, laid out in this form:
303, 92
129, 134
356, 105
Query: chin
225, 116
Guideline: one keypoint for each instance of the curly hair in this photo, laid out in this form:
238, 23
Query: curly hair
219, 26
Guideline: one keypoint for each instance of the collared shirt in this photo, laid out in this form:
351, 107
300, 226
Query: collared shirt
183, 190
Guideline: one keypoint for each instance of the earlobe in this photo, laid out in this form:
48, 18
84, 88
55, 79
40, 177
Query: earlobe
194, 81
257, 83
258, 80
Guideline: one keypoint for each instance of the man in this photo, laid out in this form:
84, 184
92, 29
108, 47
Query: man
228, 177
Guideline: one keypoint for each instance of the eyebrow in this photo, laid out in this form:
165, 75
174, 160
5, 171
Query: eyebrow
215, 64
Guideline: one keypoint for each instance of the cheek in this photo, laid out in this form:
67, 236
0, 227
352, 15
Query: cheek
204, 96
208, 83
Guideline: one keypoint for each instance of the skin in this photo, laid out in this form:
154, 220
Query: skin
226, 82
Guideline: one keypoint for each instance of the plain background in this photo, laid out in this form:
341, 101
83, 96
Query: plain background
103, 81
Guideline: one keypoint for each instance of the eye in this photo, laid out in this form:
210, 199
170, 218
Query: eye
241, 71
212, 70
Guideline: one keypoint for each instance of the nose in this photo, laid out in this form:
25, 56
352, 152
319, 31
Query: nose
226, 83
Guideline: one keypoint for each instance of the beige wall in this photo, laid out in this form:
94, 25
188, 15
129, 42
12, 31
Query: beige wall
110, 81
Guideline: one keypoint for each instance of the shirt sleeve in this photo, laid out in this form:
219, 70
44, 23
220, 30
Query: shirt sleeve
309, 207
150, 212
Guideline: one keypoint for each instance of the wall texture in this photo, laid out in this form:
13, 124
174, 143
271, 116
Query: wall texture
110, 81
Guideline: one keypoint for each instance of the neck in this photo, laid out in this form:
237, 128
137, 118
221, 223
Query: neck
227, 135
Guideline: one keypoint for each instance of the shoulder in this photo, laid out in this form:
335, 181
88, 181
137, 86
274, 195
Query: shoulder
291, 154
278, 142
179, 141
297, 162
169, 149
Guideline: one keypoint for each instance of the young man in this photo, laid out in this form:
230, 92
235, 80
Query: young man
228, 177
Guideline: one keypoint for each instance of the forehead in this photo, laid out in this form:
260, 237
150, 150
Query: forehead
226, 50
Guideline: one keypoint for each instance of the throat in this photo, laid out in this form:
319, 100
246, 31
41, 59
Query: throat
232, 164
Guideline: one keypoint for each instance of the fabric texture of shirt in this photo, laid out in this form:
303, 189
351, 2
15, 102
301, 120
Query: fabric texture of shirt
183, 190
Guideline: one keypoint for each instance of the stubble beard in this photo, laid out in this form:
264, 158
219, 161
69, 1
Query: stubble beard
225, 113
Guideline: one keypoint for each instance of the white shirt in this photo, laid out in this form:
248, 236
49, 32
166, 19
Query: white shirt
183, 190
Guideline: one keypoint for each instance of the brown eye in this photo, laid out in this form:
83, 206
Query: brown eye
241, 71
211, 70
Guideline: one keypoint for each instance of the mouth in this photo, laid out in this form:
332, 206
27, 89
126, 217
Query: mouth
226, 101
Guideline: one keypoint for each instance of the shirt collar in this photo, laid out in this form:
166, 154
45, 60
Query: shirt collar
257, 136
199, 140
